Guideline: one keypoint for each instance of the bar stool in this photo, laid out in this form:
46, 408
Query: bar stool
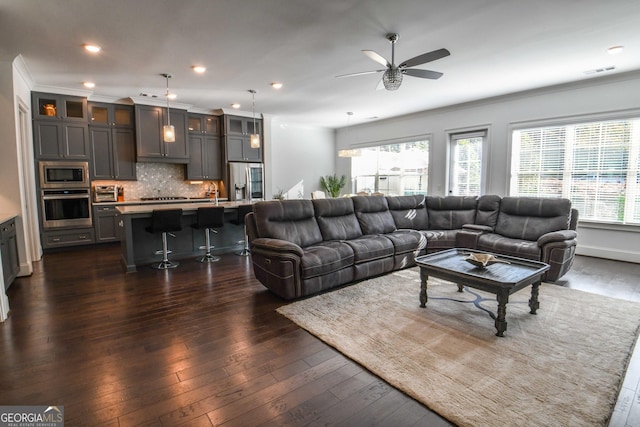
243, 210
209, 218
165, 221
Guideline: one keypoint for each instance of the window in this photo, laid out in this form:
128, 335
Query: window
465, 168
394, 169
593, 164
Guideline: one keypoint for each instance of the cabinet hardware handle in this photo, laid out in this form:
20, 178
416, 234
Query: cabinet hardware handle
56, 239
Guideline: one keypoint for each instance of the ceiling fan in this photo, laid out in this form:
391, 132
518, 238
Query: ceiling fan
392, 77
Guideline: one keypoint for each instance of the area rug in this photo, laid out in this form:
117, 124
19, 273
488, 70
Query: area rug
561, 367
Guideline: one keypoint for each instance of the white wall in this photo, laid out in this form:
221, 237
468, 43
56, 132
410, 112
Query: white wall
595, 96
297, 154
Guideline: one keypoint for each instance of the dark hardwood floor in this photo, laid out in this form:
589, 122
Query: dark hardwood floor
201, 345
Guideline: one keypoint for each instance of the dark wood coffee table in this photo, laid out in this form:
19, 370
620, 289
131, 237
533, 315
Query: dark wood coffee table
500, 279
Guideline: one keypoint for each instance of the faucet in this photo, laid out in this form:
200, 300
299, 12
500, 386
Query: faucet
215, 191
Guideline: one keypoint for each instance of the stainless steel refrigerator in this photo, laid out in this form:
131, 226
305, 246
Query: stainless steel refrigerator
246, 181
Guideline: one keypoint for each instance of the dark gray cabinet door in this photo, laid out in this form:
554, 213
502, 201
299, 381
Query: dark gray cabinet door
113, 153
213, 155
234, 148
106, 224
9, 252
178, 151
205, 160
195, 167
104, 114
149, 124
57, 140
124, 154
150, 145
102, 153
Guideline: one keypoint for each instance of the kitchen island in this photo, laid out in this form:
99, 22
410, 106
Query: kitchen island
139, 246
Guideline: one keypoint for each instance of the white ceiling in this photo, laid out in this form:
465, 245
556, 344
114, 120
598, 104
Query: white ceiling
497, 47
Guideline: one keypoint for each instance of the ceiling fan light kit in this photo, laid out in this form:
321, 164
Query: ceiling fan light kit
392, 76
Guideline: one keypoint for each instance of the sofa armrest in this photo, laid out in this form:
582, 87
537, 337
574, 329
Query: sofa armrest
477, 228
556, 236
277, 245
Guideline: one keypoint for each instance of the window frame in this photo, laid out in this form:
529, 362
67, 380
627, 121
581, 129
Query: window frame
616, 115
453, 136
392, 141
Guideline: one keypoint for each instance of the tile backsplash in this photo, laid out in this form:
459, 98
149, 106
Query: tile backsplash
161, 180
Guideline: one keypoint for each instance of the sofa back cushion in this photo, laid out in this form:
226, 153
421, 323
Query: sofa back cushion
336, 219
451, 212
409, 212
291, 220
373, 214
530, 217
487, 210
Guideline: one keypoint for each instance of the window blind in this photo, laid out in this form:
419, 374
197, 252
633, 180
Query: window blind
593, 164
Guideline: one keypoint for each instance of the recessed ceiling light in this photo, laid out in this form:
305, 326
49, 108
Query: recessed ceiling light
92, 48
199, 69
276, 85
89, 85
235, 105
172, 96
613, 50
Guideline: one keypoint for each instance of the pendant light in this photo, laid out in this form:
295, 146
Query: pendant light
350, 152
168, 131
254, 139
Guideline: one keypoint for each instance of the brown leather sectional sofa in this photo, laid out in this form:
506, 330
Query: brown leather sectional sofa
303, 247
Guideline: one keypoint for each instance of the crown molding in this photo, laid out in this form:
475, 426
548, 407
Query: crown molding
21, 68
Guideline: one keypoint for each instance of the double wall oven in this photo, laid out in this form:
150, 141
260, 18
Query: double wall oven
65, 194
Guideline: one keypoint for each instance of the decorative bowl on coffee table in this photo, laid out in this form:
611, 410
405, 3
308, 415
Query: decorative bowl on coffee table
483, 260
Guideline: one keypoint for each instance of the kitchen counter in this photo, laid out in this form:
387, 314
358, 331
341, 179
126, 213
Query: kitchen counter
4, 217
185, 205
139, 246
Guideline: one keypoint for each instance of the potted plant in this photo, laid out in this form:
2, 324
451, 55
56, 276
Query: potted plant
332, 184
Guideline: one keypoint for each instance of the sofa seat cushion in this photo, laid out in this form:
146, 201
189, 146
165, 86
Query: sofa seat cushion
508, 246
326, 257
370, 247
438, 240
407, 241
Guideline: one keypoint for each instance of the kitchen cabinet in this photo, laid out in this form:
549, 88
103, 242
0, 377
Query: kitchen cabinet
113, 115
237, 132
204, 124
106, 223
59, 127
70, 237
9, 252
58, 140
205, 157
150, 146
111, 135
52, 106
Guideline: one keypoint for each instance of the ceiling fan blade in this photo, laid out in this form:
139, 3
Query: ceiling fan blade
425, 57
377, 57
423, 74
361, 73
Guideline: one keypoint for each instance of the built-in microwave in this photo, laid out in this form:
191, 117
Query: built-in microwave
64, 174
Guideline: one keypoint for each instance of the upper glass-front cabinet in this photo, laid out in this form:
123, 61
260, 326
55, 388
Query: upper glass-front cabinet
110, 114
200, 123
59, 107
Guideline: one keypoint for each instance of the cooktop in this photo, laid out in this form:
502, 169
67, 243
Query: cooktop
144, 199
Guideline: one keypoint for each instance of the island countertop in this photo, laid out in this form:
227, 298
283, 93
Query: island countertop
186, 206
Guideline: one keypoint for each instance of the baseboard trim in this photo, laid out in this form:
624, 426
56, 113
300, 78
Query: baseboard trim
608, 253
